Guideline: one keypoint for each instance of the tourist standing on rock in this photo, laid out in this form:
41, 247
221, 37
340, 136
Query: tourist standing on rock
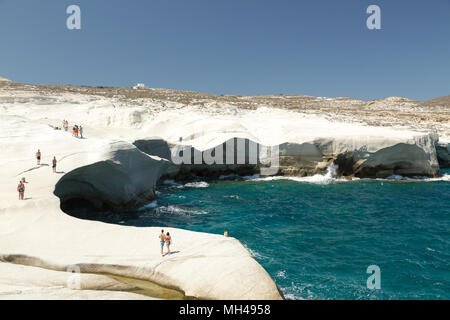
21, 190
66, 125
81, 132
38, 157
162, 240
54, 164
168, 242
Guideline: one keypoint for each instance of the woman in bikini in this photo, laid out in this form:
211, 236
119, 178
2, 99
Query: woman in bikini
21, 190
38, 157
168, 242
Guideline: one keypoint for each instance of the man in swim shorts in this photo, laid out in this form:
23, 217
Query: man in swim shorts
162, 240
54, 164
21, 190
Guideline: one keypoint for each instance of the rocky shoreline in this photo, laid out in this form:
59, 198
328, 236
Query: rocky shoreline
133, 143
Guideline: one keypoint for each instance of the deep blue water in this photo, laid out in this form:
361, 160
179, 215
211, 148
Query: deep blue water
317, 240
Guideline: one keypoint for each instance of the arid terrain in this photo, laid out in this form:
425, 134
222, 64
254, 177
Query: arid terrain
399, 112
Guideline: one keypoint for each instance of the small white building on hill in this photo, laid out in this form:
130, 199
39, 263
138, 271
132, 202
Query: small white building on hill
139, 86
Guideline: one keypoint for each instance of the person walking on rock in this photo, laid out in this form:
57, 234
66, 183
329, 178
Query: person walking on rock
21, 190
54, 164
38, 157
162, 240
168, 242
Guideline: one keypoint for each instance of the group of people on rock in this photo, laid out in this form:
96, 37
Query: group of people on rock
77, 131
165, 239
21, 186
38, 158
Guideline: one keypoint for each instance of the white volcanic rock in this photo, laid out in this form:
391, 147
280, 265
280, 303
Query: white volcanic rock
25, 282
306, 143
108, 171
443, 153
204, 265
124, 180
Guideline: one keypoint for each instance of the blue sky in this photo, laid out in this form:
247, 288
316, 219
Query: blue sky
248, 47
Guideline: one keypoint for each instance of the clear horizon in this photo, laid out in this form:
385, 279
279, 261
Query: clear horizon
317, 48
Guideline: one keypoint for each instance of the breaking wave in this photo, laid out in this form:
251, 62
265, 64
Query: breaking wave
178, 210
199, 184
329, 177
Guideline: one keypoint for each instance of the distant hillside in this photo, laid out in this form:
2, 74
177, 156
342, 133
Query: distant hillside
443, 102
428, 116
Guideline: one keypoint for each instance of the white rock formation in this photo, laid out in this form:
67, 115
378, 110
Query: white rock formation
443, 153
204, 266
307, 144
25, 282
107, 171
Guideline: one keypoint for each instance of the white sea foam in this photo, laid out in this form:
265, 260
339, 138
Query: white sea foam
254, 177
327, 178
330, 177
233, 196
173, 209
151, 205
445, 177
198, 184
253, 253
294, 292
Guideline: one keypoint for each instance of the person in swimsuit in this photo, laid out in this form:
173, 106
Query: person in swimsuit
162, 240
21, 190
38, 157
54, 164
168, 242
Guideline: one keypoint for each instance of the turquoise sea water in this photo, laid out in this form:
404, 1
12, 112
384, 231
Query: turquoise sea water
317, 238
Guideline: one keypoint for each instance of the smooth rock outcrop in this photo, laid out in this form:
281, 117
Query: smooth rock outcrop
417, 158
37, 232
19, 282
202, 265
360, 157
106, 171
443, 154
124, 181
